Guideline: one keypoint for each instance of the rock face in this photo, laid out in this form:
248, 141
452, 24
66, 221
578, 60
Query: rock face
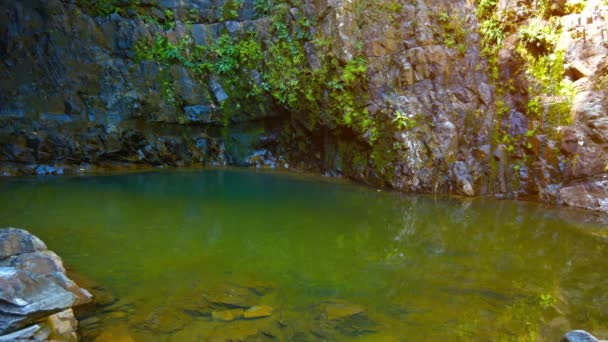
76, 98
405, 97
585, 142
36, 296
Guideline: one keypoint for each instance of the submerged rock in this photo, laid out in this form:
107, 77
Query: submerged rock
258, 311
227, 315
232, 297
119, 333
338, 310
165, 320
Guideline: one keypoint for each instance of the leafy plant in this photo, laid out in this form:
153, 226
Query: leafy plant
106, 7
538, 38
576, 6
230, 9
262, 7
403, 121
492, 34
354, 70
486, 9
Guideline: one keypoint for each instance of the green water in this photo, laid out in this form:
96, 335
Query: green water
418, 268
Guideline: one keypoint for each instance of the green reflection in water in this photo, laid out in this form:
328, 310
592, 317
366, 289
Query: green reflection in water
423, 268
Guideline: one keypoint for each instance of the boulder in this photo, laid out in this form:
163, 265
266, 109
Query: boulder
43, 262
14, 241
35, 290
61, 326
258, 311
591, 195
27, 297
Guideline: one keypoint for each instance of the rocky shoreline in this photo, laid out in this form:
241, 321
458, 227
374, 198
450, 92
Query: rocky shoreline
36, 295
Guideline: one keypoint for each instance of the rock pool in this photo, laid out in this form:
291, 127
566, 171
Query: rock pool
245, 255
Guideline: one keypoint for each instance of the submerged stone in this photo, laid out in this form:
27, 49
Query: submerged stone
166, 320
232, 297
258, 311
342, 310
227, 315
118, 333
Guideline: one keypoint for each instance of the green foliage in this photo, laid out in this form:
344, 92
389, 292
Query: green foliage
453, 33
538, 38
546, 8
546, 300
252, 70
576, 6
262, 7
169, 15
354, 71
404, 122
548, 73
231, 56
106, 7
486, 9
230, 9
492, 34
534, 108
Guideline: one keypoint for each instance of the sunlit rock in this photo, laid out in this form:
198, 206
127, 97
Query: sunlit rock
258, 311
227, 315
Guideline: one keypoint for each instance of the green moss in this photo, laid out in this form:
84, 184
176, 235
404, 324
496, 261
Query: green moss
492, 34
262, 7
229, 10
106, 7
453, 33
558, 92
573, 7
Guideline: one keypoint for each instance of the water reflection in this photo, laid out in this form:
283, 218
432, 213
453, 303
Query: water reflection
422, 267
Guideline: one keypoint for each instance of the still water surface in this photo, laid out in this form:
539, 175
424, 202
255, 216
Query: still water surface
335, 261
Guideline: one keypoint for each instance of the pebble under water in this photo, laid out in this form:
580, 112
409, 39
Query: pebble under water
244, 255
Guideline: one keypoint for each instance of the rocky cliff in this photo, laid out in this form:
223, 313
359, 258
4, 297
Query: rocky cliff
491, 97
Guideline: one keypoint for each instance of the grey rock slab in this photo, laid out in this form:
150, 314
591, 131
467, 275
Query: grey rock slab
26, 297
42, 262
14, 241
579, 336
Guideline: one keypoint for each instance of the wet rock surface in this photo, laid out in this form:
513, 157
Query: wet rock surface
36, 296
579, 336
